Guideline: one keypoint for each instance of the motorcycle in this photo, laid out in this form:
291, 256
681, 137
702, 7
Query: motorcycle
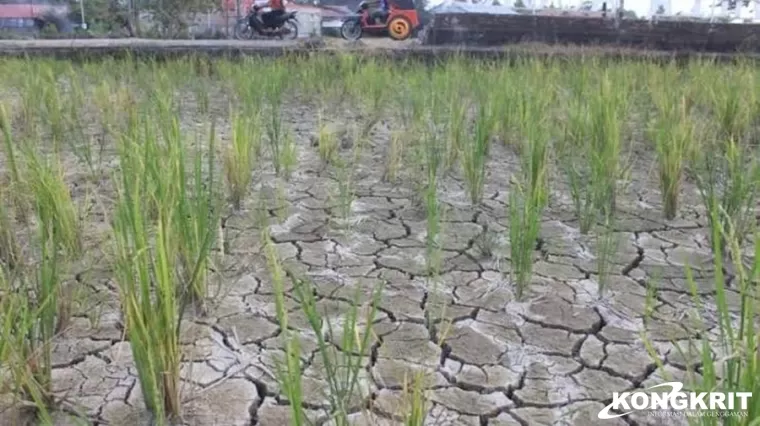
285, 27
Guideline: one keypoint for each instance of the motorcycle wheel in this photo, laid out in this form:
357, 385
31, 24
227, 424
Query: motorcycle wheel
351, 30
289, 31
243, 31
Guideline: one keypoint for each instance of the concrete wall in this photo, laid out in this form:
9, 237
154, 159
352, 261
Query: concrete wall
494, 30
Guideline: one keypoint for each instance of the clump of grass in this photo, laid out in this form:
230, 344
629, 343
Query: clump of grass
607, 108
475, 154
606, 245
591, 149
31, 317
433, 161
142, 264
730, 103
16, 185
163, 233
524, 228
673, 135
276, 133
327, 142
240, 157
53, 203
728, 179
393, 158
416, 409
530, 193
22, 351
198, 217
10, 252
343, 193
456, 127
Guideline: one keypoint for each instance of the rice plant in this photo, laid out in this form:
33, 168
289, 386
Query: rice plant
673, 134
728, 177
475, 153
240, 157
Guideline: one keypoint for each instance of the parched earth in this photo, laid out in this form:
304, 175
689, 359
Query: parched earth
553, 358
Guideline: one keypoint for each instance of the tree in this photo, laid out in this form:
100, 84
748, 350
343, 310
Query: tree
629, 14
660, 10
103, 15
519, 4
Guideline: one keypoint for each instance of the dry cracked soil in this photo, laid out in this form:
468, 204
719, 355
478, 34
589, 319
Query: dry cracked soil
553, 358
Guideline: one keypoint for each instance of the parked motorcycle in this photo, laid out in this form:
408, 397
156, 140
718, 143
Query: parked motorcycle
285, 28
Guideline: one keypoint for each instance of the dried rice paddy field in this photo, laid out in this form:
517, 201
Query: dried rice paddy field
335, 241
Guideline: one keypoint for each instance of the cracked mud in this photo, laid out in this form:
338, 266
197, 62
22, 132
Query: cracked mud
553, 358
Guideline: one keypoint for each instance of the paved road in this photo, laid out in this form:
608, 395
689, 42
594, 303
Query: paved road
154, 43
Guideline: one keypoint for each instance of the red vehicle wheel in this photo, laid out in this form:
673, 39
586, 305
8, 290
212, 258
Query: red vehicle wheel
399, 28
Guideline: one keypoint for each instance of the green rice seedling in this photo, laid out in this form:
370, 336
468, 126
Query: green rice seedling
158, 260
433, 162
370, 85
345, 191
54, 108
730, 103
475, 154
393, 159
524, 228
606, 246
456, 128
327, 142
574, 155
673, 134
16, 185
152, 321
342, 352
728, 179
33, 318
10, 252
416, 409
198, 217
274, 90
76, 138
289, 372
607, 109
288, 155
21, 351
58, 216
240, 157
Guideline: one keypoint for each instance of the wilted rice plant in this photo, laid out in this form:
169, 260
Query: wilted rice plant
23, 354
475, 153
32, 319
433, 160
343, 351
731, 99
728, 178
146, 273
608, 106
198, 214
289, 372
57, 213
240, 157
673, 135
524, 228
